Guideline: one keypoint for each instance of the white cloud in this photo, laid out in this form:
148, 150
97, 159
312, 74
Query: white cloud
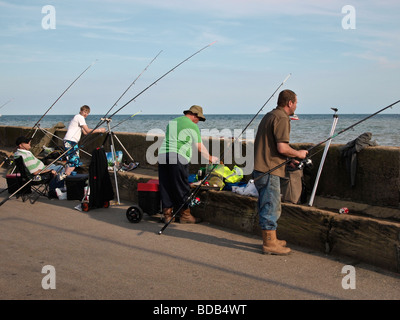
239, 8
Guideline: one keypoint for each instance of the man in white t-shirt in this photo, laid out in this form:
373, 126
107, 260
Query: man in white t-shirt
76, 127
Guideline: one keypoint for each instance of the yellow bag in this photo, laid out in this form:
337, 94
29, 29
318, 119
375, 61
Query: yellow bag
235, 176
222, 174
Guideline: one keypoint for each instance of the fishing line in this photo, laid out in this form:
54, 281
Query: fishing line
87, 136
197, 189
120, 97
153, 83
4, 104
48, 133
133, 82
128, 118
191, 196
331, 137
145, 89
61, 96
110, 108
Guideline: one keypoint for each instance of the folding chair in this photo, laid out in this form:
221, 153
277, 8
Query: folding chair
38, 184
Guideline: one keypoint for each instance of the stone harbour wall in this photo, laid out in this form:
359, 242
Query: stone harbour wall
377, 178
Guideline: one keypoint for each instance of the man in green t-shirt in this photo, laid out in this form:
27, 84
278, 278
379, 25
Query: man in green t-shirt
173, 162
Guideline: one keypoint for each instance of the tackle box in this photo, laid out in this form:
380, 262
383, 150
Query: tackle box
76, 186
149, 196
14, 182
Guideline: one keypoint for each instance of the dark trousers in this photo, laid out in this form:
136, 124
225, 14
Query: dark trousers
173, 173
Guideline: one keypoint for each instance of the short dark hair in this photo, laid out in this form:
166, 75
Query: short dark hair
285, 96
22, 139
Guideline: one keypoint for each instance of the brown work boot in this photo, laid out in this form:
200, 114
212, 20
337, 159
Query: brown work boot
282, 243
271, 244
167, 215
186, 217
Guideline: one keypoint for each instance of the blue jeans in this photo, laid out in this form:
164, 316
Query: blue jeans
56, 182
55, 167
269, 200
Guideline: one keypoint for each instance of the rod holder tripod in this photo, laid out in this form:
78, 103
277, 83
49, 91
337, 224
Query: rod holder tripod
328, 143
111, 135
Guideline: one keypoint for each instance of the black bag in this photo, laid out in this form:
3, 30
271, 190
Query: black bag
101, 190
76, 186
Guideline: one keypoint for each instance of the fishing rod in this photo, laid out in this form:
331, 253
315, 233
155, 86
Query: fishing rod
154, 82
102, 120
328, 139
62, 95
4, 104
48, 133
36, 124
44, 169
197, 189
283, 82
122, 93
133, 82
87, 136
128, 118
148, 87
80, 148
31, 179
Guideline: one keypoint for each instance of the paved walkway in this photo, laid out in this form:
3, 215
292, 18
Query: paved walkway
101, 255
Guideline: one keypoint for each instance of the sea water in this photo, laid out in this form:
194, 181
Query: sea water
310, 128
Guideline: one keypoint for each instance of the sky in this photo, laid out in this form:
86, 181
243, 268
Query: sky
341, 54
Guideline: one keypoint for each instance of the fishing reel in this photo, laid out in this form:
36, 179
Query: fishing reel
194, 202
305, 163
8, 162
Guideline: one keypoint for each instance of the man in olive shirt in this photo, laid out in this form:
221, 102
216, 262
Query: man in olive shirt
271, 148
173, 162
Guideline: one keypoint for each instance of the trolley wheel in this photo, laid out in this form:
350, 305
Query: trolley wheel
134, 214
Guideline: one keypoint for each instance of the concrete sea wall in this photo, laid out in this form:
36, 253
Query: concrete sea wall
377, 173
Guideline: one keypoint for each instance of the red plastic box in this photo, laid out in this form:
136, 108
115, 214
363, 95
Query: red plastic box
149, 197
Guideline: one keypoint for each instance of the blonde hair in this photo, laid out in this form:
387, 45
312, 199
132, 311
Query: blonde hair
85, 108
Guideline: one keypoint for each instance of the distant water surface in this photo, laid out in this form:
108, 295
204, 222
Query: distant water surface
310, 128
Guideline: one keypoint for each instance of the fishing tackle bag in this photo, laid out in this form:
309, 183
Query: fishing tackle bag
292, 186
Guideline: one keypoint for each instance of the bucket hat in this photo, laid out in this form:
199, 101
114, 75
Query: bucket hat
196, 110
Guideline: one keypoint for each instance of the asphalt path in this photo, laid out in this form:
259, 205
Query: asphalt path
101, 255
